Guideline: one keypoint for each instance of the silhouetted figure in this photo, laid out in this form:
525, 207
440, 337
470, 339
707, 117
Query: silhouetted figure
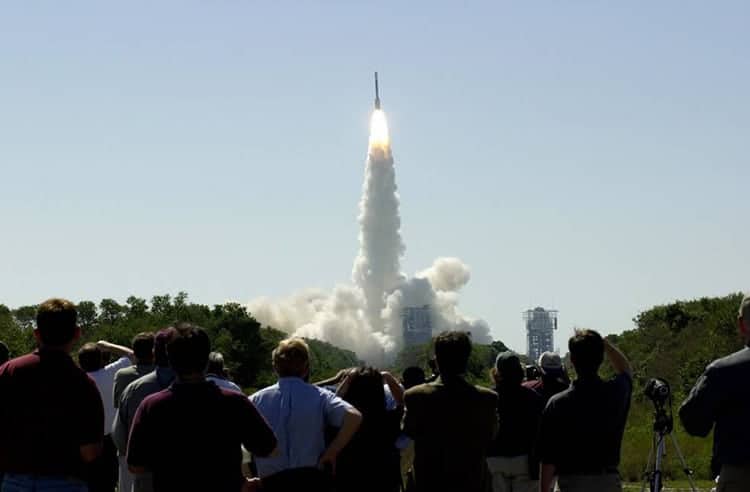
582, 427
143, 353
720, 401
51, 417
134, 394
217, 373
413, 376
510, 456
189, 436
103, 473
299, 413
371, 462
143, 363
452, 423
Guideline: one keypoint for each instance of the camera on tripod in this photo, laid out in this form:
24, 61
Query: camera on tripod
658, 391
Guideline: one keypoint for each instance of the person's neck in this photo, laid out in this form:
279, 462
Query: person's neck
193, 378
144, 362
64, 349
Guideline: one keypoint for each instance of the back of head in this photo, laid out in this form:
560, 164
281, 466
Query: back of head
413, 376
161, 339
4, 353
216, 364
143, 347
365, 391
510, 372
452, 351
586, 352
188, 350
90, 357
291, 358
56, 323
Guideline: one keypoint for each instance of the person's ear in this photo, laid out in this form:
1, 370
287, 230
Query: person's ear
77, 334
742, 327
37, 336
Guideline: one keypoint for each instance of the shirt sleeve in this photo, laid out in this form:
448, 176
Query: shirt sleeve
139, 442
90, 415
698, 411
334, 409
115, 366
257, 436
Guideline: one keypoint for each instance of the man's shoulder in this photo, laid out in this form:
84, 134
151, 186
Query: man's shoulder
739, 359
126, 372
20, 363
265, 393
156, 399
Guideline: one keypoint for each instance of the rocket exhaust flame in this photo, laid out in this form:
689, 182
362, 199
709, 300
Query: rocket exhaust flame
379, 130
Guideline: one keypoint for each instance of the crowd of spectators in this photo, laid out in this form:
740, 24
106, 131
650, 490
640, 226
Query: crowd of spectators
164, 415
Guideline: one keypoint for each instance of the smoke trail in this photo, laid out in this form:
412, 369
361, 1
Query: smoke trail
366, 317
377, 267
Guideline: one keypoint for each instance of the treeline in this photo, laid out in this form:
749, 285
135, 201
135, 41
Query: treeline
674, 342
245, 344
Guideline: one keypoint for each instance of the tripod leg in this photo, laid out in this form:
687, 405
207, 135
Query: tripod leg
647, 474
685, 467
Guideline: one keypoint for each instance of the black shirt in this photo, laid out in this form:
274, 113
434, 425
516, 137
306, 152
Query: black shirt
582, 427
722, 397
519, 410
189, 436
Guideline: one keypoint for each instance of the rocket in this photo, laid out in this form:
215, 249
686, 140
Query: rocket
377, 92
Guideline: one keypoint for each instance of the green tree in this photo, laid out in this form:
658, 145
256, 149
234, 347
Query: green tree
110, 311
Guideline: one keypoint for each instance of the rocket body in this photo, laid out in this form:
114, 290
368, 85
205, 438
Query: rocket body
377, 92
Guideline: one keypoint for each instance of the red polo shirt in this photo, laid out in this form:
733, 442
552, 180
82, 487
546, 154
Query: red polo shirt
49, 408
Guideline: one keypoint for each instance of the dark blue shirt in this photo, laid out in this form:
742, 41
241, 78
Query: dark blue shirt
582, 427
721, 398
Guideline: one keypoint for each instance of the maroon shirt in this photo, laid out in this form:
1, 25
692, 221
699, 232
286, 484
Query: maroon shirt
189, 437
49, 408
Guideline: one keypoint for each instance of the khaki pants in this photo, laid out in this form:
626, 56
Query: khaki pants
126, 478
590, 483
734, 478
511, 474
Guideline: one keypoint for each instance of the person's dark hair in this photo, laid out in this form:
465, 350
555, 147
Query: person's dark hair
366, 392
586, 352
56, 322
413, 376
4, 353
90, 357
161, 339
216, 364
188, 349
452, 351
143, 347
509, 368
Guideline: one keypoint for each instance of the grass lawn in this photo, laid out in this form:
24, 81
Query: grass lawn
674, 486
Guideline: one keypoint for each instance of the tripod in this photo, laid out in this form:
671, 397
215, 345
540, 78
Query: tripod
663, 425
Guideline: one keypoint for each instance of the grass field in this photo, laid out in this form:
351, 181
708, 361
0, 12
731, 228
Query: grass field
674, 486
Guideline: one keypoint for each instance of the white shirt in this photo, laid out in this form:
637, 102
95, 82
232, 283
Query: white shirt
105, 382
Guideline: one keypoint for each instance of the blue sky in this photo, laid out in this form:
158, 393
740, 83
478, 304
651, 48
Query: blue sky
587, 156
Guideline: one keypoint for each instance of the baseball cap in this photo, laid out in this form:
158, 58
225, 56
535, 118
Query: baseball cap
745, 307
550, 363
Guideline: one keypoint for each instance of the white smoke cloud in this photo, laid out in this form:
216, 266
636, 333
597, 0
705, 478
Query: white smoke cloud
366, 317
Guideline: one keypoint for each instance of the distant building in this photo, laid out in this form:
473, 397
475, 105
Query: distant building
540, 324
417, 325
